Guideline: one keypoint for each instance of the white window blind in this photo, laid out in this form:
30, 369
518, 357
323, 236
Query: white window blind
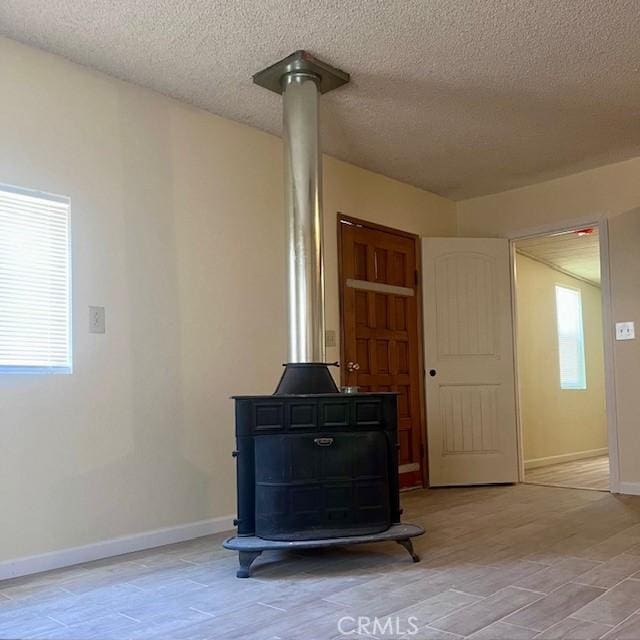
570, 338
35, 282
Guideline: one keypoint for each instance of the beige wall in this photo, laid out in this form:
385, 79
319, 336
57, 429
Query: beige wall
604, 192
555, 421
624, 248
178, 230
611, 192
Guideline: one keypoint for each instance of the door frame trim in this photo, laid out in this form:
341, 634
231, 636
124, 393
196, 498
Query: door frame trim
342, 218
602, 224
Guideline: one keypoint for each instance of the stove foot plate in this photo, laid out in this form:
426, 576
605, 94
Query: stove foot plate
250, 547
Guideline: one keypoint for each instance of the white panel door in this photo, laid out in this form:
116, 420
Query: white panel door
468, 329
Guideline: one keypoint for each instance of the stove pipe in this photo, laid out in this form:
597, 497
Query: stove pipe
303, 193
301, 78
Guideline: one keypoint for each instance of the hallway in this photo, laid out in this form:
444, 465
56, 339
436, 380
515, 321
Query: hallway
590, 473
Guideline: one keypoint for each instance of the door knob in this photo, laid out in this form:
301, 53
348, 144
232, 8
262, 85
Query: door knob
432, 372
352, 366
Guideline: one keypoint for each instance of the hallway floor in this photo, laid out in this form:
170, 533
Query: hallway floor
513, 562
590, 473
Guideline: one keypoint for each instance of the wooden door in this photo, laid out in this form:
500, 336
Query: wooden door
381, 345
468, 329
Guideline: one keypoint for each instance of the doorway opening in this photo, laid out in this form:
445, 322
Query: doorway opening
561, 370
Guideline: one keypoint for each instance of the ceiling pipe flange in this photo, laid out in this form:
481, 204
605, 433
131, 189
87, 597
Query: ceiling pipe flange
301, 61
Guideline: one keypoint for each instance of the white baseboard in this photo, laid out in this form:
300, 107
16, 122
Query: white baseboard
114, 547
565, 457
629, 488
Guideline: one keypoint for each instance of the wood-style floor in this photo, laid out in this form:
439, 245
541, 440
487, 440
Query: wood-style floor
591, 473
514, 562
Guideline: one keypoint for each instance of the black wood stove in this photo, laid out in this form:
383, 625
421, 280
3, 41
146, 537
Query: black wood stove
315, 467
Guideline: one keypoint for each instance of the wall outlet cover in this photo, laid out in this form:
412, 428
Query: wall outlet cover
625, 331
97, 320
330, 338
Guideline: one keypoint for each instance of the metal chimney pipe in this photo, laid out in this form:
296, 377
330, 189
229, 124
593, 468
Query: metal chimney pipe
300, 78
303, 198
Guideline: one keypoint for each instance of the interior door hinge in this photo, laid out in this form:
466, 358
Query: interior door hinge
417, 277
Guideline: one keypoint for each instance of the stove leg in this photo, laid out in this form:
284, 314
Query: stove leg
408, 545
246, 558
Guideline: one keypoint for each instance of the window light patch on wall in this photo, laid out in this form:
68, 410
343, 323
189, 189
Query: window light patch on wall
35, 282
570, 338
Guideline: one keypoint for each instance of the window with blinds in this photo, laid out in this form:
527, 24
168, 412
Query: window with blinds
35, 282
570, 338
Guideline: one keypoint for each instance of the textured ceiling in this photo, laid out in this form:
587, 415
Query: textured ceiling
459, 97
575, 254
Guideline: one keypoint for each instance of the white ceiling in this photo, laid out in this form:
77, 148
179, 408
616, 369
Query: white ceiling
459, 97
570, 252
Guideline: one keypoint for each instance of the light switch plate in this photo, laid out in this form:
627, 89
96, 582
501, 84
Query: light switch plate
97, 321
330, 338
625, 331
